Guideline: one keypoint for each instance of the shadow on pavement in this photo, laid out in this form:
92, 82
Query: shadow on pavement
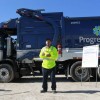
39, 79
15, 93
80, 91
5, 90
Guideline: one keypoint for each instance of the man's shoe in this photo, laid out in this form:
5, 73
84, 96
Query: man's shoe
54, 91
43, 91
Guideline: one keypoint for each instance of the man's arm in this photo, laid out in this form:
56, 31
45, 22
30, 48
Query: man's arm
42, 54
54, 55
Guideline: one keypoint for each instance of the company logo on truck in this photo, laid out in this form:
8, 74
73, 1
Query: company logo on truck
96, 30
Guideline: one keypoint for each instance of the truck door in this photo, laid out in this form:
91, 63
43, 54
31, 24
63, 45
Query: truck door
3, 46
29, 41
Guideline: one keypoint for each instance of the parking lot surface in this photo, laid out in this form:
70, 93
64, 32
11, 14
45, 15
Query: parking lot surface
28, 88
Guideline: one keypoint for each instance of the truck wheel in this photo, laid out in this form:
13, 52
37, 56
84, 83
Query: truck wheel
6, 73
77, 73
98, 72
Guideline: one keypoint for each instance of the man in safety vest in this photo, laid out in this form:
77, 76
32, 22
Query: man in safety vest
49, 55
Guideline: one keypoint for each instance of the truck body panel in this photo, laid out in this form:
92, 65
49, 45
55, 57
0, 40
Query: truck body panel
82, 32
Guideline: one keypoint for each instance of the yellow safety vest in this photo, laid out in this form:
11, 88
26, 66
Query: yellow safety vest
49, 62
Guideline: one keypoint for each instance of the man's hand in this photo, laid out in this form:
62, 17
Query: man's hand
48, 55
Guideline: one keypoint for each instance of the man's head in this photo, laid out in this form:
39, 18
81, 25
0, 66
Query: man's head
48, 42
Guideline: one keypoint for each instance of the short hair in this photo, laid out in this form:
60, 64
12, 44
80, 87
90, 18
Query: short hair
48, 39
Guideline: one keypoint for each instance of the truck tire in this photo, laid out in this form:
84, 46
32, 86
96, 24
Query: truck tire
76, 72
6, 73
98, 72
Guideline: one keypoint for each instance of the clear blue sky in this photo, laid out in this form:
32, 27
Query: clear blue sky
71, 8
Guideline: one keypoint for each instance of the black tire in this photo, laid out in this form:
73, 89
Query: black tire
76, 72
6, 73
98, 72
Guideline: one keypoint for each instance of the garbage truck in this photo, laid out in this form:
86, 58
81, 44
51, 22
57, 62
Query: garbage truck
22, 38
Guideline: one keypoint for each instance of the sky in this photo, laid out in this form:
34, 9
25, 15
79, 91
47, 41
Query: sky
70, 8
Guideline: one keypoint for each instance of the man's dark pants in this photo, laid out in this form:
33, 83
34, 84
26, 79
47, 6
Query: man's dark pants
52, 73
